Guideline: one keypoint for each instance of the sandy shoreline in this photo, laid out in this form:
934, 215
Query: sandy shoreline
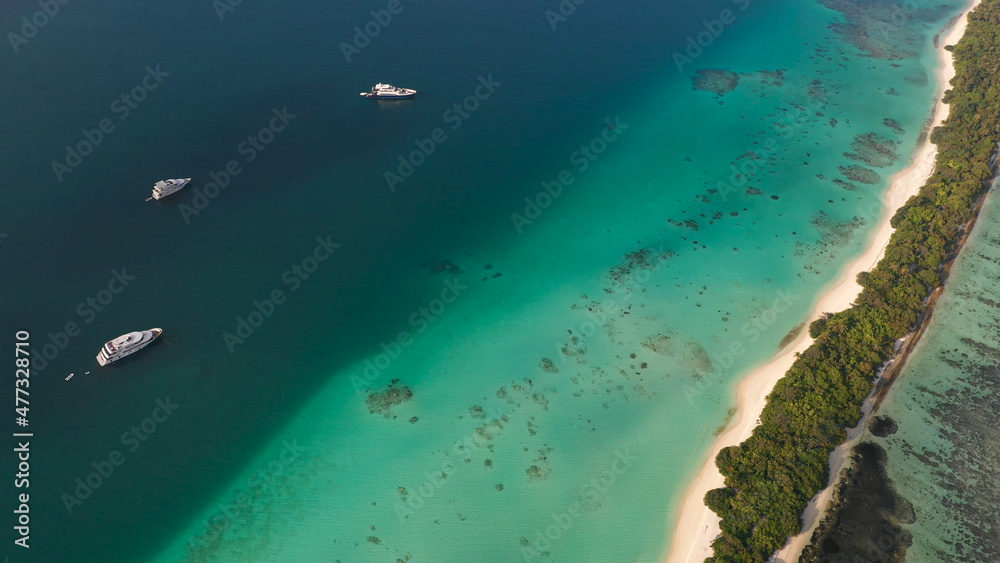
696, 526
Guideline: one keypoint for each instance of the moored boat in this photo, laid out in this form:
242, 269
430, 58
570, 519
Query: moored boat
127, 344
163, 188
389, 92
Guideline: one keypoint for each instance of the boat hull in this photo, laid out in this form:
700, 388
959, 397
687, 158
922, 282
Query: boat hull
163, 194
378, 97
147, 337
389, 92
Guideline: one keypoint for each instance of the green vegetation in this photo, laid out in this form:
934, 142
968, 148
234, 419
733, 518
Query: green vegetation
771, 476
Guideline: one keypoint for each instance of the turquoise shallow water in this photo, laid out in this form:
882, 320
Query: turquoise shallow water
581, 361
943, 459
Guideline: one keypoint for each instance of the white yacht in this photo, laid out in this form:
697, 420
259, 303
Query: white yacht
163, 188
389, 92
127, 344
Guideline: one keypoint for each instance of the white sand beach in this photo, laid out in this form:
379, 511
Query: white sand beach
696, 526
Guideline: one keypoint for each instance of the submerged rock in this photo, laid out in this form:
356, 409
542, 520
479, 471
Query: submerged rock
894, 125
874, 150
882, 426
661, 344
860, 174
866, 520
536, 473
443, 266
382, 401
717, 80
867, 20
846, 185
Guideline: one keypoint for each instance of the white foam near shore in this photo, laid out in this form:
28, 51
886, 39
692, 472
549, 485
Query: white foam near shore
696, 526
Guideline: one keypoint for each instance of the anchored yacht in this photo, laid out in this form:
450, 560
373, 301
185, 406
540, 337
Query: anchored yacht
163, 188
127, 344
389, 92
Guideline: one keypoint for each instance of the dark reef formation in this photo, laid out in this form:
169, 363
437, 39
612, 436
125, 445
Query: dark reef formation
382, 401
719, 81
846, 185
882, 426
860, 174
443, 266
873, 150
722, 81
867, 523
970, 474
873, 26
894, 125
